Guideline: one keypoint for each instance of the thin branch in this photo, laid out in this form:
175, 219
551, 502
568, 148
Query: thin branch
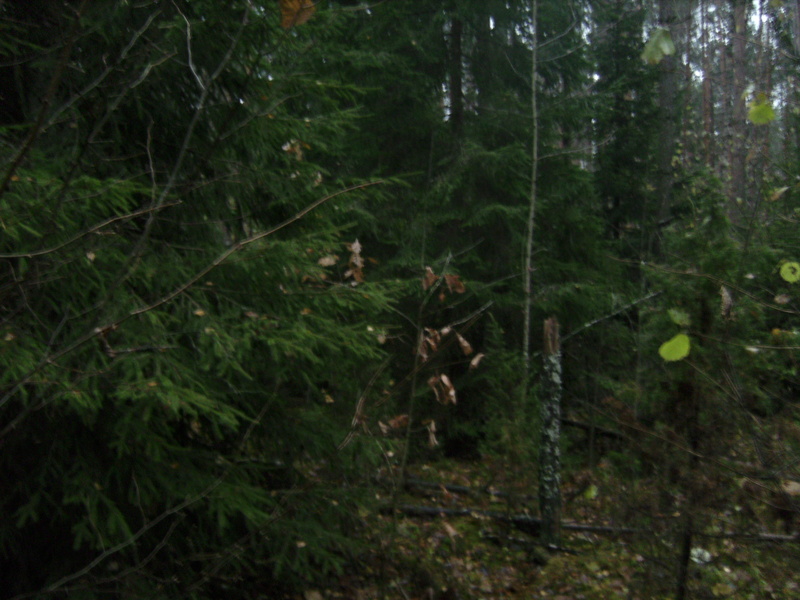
610, 315
239, 245
189, 48
173, 177
100, 78
91, 230
121, 575
122, 545
720, 281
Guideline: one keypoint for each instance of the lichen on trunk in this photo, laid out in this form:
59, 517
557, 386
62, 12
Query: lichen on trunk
550, 455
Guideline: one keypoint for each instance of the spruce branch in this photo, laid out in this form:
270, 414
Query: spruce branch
93, 229
51, 358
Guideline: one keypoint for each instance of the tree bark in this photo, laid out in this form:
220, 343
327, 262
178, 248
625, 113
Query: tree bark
550, 452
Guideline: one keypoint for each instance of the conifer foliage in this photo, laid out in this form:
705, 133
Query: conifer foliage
252, 248
185, 330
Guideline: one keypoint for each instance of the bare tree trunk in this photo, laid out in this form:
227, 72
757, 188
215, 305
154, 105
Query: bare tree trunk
796, 28
549, 452
456, 77
724, 95
528, 272
669, 114
766, 67
738, 191
708, 95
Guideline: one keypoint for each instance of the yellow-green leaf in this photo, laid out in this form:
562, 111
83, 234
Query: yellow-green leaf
679, 317
591, 492
675, 349
658, 46
761, 113
790, 271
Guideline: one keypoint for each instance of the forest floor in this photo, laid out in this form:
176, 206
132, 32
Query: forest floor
477, 554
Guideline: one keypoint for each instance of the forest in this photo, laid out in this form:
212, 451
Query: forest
399, 299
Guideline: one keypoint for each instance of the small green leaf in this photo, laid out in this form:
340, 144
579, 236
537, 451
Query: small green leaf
591, 492
761, 113
658, 46
790, 271
675, 349
679, 317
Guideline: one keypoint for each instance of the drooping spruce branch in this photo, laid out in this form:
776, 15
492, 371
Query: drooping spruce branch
182, 288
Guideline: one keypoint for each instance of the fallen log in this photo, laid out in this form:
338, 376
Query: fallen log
463, 489
523, 522
532, 525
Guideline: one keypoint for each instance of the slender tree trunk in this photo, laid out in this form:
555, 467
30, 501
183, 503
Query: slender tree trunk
549, 452
796, 28
708, 96
456, 77
766, 67
738, 191
688, 56
724, 95
668, 112
528, 273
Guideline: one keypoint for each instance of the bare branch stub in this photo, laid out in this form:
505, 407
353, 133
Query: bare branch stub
552, 344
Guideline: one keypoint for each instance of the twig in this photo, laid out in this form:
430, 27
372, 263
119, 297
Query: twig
586, 326
91, 230
99, 79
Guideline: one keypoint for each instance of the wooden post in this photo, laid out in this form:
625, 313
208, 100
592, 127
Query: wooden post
549, 452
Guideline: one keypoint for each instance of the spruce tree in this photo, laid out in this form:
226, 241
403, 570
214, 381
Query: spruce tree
187, 326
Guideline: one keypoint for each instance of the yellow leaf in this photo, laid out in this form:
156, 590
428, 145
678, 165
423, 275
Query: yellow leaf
199, 313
